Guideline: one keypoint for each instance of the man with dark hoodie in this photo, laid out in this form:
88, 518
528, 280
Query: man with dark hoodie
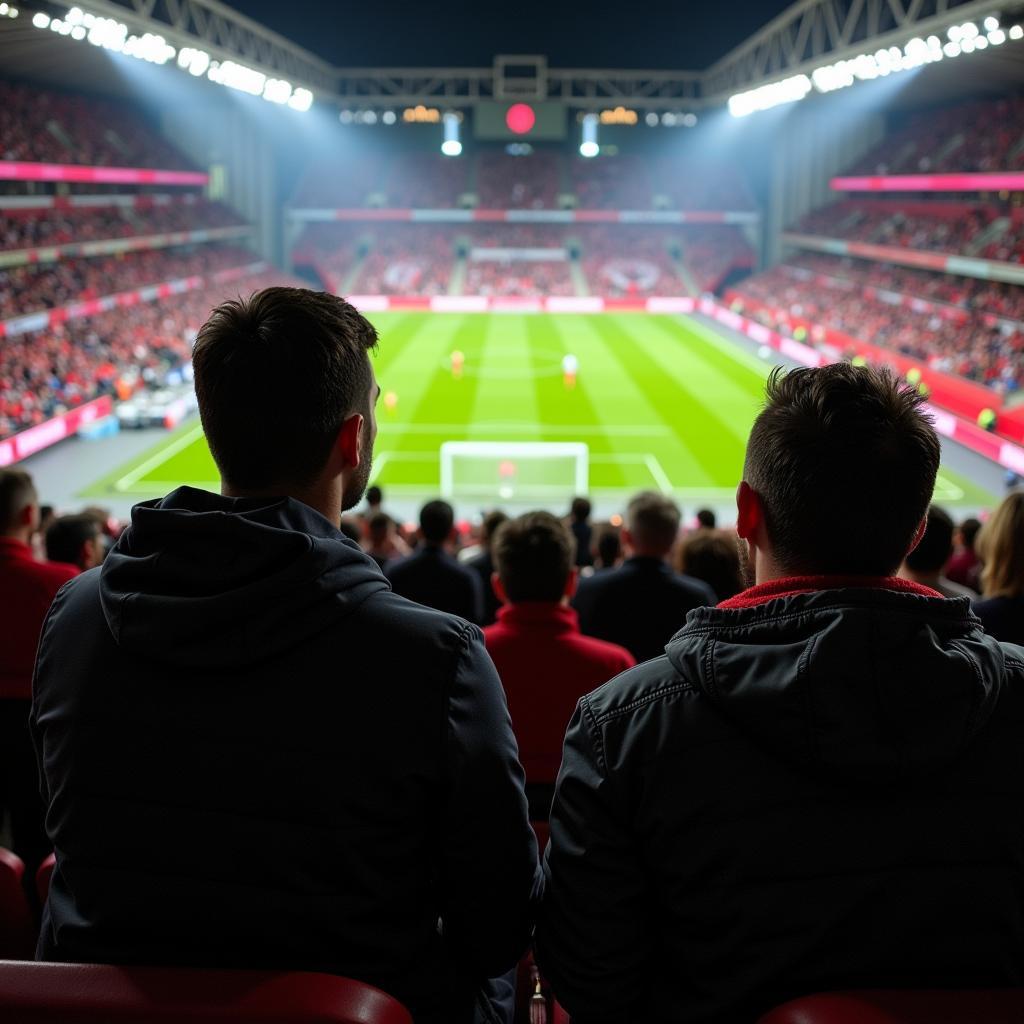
253, 752
820, 785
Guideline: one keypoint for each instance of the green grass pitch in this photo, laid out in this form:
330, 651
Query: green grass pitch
662, 402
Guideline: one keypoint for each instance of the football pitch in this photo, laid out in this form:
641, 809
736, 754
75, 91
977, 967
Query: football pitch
661, 403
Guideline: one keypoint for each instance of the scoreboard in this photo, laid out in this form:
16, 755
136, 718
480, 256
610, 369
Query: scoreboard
519, 121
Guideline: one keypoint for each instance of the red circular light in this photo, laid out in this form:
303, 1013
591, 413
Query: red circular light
520, 118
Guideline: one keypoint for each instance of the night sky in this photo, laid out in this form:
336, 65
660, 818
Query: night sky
459, 33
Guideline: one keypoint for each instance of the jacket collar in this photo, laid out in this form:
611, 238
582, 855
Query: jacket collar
547, 615
791, 585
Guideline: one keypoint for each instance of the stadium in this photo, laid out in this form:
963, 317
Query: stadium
587, 246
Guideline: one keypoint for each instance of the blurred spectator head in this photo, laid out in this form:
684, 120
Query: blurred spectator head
652, 525
47, 516
489, 527
378, 528
374, 497
967, 533
706, 519
76, 540
1001, 548
935, 548
839, 472
714, 557
608, 547
437, 521
580, 510
19, 504
534, 559
286, 391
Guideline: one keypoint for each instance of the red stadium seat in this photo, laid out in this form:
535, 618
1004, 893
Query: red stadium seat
17, 929
40, 993
935, 1006
43, 878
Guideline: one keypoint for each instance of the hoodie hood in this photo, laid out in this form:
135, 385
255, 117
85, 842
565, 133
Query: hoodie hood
866, 684
200, 580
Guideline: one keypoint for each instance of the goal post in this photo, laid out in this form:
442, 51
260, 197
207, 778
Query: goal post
510, 470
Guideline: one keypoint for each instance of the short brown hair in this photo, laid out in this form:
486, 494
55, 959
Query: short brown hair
16, 492
844, 460
276, 375
714, 557
653, 521
1000, 546
533, 556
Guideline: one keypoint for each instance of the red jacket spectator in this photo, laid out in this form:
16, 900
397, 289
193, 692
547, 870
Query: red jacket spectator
546, 664
26, 589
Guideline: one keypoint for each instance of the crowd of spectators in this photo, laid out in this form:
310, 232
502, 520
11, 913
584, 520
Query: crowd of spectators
404, 260
972, 294
528, 182
47, 126
656, 729
38, 228
518, 278
947, 228
977, 136
43, 373
988, 353
620, 260
33, 287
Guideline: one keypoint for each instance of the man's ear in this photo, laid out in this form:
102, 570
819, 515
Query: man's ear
498, 588
918, 534
749, 511
348, 443
571, 583
29, 515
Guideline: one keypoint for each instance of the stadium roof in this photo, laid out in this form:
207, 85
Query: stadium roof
451, 33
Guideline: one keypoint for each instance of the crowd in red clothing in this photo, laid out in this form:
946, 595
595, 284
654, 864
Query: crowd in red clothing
44, 125
43, 373
37, 228
33, 287
990, 354
969, 137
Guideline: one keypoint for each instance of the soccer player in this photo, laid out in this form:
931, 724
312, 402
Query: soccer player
570, 367
458, 359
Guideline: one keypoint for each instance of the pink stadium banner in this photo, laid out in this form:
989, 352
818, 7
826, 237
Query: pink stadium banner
35, 439
12, 171
1000, 182
457, 216
44, 318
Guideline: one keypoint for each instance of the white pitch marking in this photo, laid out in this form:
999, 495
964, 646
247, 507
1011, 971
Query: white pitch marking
660, 477
160, 457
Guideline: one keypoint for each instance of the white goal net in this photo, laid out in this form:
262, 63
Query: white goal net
511, 471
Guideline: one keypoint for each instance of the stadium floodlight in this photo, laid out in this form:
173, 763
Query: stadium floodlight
41, 20
451, 146
689, 120
651, 119
1016, 32
389, 117
302, 99
195, 62
991, 23
588, 144
764, 97
277, 90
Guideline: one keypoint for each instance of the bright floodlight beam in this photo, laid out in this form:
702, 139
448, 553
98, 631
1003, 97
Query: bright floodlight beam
451, 145
588, 144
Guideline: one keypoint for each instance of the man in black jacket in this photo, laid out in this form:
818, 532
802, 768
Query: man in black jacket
820, 785
253, 752
431, 576
643, 603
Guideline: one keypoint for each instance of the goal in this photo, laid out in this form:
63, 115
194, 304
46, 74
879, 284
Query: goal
511, 471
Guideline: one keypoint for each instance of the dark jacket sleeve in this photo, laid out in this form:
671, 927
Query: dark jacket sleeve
493, 880
594, 940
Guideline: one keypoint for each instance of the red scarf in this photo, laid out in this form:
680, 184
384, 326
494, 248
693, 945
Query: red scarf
790, 585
